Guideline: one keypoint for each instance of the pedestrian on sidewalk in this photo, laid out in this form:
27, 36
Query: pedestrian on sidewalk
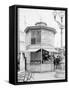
54, 62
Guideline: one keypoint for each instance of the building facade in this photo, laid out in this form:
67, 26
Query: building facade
39, 45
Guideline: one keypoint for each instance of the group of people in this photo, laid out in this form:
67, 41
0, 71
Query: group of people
56, 60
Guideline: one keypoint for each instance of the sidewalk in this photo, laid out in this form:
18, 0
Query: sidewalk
45, 76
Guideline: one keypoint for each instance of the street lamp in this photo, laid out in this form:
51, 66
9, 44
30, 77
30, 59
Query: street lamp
60, 23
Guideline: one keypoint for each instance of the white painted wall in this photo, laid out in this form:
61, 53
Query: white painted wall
28, 38
47, 38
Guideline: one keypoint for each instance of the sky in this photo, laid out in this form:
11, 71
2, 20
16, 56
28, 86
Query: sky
28, 17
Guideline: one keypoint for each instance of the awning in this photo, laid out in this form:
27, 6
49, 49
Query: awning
47, 49
50, 50
32, 50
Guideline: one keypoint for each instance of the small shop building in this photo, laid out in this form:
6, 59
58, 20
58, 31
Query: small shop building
39, 46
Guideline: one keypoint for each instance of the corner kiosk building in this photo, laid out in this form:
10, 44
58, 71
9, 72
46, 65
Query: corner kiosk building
39, 42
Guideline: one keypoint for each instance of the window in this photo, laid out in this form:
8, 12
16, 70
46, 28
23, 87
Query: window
33, 40
38, 40
35, 37
35, 57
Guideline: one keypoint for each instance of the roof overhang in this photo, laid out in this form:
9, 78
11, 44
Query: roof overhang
40, 28
47, 49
